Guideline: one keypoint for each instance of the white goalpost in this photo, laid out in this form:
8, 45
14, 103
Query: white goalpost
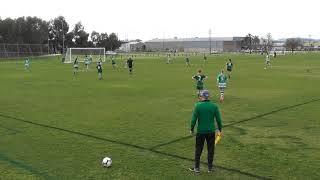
81, 53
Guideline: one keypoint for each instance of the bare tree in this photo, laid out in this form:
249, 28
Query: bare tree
256, 42
247, 42
267, 43
293, 44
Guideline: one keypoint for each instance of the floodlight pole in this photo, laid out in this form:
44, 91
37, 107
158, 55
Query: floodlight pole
62, 38
48, 45
210, 41
163, 43
309, 42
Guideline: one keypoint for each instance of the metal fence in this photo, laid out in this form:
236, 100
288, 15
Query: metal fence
24, 50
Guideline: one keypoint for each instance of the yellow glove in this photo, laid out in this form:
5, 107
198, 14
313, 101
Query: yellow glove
218, 138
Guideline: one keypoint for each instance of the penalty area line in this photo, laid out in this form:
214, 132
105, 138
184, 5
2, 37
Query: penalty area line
239, 122
130, 145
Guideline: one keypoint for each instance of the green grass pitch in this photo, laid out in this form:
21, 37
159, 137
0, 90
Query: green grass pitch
57, 126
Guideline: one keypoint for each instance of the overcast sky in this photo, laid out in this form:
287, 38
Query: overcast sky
148, 19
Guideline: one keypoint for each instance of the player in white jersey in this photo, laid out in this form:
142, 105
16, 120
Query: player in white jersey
86, 62
27, 64
168, 59
267, 62
222, 84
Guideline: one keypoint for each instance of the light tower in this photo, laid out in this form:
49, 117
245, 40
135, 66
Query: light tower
209, 41
62, 38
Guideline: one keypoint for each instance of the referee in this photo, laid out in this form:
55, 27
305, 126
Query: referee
205, 113
130, 64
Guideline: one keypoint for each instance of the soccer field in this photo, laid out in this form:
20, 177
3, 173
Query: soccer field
57, 126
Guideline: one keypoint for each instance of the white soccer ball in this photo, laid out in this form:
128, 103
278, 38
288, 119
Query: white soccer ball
106, 162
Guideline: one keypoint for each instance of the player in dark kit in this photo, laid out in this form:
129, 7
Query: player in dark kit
99, 68
199, 78
188, 61
229, 68
130, 64
75, 66
113, 62
204, 58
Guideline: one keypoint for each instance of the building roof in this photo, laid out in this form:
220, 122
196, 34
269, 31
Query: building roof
196, 39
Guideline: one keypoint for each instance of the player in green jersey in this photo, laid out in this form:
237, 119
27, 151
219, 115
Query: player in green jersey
86, 62
199, 78
27, 64
222, 84
267, 62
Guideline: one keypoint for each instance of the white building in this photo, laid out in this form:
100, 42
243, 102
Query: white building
228, 44
131, 46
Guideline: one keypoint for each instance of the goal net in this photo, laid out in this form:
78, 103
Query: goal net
93, 54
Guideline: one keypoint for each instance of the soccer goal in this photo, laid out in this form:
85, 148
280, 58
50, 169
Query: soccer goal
81, 53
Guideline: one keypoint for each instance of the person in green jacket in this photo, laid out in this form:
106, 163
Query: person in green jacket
205, 114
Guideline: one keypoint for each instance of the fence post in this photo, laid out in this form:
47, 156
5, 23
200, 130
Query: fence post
18, 50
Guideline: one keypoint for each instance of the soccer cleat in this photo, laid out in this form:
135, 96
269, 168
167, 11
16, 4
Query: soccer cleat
210, 170
196, 170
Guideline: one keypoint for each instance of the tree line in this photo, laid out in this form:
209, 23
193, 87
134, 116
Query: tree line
255, 43
34, 30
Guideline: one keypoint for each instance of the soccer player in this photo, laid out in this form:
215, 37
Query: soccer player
90, 58
27, 64
229, 66
75, 66
204, 58
222, 84
274, 54
267, 63
99, 68
113, 62
100, 60
130, 64
199, 78
86, 62
168, 59
188, 61
205, 114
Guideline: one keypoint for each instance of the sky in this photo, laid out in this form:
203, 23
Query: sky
149, 19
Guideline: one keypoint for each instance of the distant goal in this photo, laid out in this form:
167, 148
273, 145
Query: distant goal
80, 53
